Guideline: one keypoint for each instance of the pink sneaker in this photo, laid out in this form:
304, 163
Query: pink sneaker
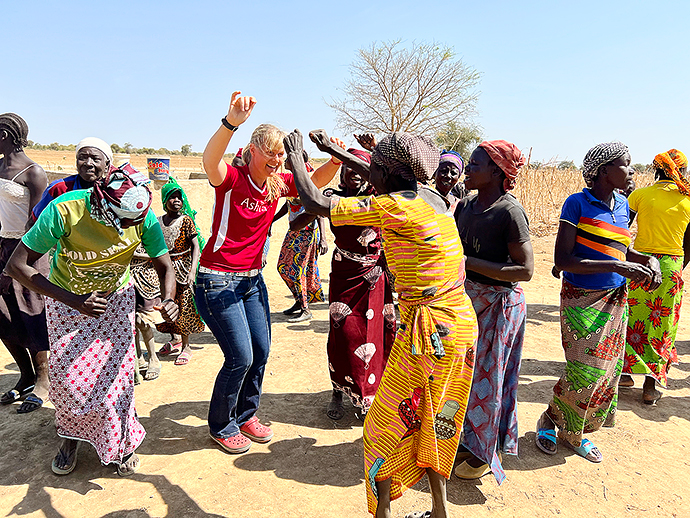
237, 443
256, 431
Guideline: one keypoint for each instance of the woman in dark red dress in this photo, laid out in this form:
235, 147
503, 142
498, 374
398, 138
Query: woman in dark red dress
362, 315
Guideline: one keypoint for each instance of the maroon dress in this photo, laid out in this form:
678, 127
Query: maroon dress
362, 315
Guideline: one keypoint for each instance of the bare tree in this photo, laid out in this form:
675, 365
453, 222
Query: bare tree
419, 89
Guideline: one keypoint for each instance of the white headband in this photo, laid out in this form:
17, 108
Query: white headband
98, 144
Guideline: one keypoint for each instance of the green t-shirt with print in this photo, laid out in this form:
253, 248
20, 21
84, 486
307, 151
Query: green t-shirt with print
90, 255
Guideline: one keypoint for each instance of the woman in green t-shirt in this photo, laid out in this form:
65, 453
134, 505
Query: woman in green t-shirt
92, 356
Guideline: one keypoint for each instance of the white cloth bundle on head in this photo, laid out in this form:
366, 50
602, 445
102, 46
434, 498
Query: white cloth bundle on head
99, 144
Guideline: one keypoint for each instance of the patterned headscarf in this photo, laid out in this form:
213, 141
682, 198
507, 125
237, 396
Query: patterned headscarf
599, 155
507, 157
452, 157
678, 157
407, 155
167, 191
119, 199
362, 155
671, 162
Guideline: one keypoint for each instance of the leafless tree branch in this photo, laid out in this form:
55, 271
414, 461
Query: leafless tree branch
421, 88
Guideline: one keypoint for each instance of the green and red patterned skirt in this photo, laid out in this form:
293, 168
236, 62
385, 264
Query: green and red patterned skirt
651, 339
593, 326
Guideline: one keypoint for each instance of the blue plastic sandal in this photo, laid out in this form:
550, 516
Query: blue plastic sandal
550, 435
584, 450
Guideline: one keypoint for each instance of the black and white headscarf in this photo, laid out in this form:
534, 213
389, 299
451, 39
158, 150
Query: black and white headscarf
599, 155
410, 156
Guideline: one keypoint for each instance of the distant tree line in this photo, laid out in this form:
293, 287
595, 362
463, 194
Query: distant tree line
185, 150
564, 165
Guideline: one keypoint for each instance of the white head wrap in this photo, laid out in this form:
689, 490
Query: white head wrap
99, 144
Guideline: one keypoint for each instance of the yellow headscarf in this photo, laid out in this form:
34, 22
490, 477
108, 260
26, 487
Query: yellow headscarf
670, 162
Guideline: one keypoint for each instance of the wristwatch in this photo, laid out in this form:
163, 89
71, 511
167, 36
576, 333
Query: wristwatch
228, 125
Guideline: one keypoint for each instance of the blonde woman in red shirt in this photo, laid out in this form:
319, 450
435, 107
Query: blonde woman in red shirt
230, 292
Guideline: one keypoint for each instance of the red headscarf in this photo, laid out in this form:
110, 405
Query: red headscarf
507, 157
362, 155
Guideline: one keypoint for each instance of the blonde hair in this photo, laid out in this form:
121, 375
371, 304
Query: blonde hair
269, 138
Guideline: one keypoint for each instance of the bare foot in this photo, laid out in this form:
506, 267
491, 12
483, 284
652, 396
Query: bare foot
130, 466
650, 395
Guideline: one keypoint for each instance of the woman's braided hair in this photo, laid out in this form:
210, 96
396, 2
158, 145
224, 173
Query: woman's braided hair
16, 127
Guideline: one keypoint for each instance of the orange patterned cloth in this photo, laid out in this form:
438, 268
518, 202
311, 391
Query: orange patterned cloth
508, 157
671, 162
416, 418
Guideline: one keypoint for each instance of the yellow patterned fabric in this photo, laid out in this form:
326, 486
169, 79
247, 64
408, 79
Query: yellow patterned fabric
416, 418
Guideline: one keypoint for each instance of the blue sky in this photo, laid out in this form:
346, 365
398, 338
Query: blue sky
557, 77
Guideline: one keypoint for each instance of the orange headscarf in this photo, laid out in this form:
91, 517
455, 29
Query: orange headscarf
671, 162
507, 157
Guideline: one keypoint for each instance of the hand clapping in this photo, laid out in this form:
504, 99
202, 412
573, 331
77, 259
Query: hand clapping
240, 108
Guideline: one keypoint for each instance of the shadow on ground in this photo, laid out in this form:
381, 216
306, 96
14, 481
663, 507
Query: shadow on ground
301, 460
539, 314
306, 409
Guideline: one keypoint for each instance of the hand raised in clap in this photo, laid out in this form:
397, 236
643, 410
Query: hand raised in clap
293, 142
366, 140
323, 142
240, 108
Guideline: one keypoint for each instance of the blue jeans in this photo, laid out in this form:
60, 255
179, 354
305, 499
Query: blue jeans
236, 311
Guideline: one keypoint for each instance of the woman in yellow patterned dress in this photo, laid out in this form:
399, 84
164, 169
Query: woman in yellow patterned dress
414, 424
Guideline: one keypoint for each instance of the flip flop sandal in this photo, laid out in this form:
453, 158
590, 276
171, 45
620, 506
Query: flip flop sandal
31, 403
301, 317
183, 358
130, 466
13, 395
335, 410
548, 434
467, 472
152, 373
170, 348
586, 447
61, 455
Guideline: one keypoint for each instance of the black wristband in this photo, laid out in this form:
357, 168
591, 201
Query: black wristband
225, 123
167, 300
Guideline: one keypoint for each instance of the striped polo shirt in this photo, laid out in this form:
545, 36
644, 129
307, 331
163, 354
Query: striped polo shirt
602, 234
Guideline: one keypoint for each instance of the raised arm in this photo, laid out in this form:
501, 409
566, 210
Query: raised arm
320, 138
324, 174
214, 165
310, 195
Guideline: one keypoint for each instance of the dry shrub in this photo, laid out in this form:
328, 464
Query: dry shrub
542, 191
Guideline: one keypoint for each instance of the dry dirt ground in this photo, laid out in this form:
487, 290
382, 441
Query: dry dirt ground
314, 468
